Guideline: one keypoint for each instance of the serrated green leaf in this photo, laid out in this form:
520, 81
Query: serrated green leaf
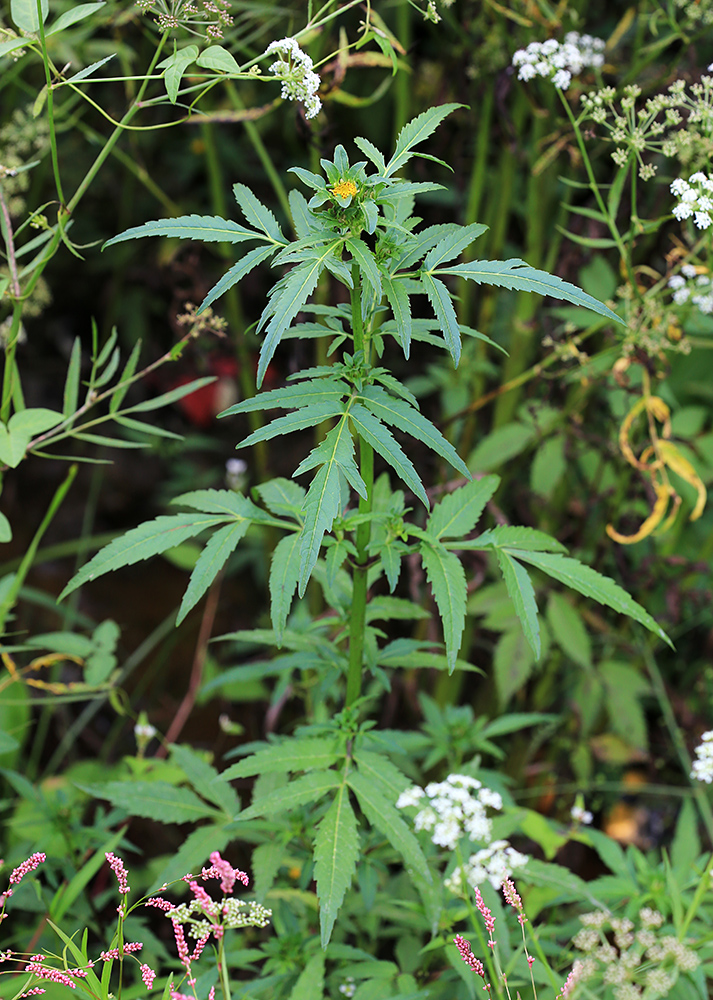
153, 799
453, 245
323, 502
291, 755
414, 132
385, 776
24, 14
517, 274
129, 368
446, 576
399, 413
522, 595
71, 382
214, 556
383, 442
513, 661
149, 539
204, 228
205, 779
336, 851
367, 264
459, 512
257, 214
310, 982
382, 814
588, 582
398, 299
370, 150
284, 575
442, 305
306, 416
293, 396
568, 630
307, 788
386, 608
282, 496
225, 502
515, 537
235, 274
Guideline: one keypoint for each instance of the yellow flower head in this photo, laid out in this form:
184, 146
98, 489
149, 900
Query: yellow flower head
345, 189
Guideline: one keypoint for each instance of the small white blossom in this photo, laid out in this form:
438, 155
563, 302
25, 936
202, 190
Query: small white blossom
559, 61
694, 201
581, 815
494, 863
294, 68
348, 987
703, 765
689, 286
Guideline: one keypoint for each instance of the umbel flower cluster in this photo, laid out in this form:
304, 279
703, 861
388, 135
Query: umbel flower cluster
703, 765
454, 809
695, 198
559, 61
199, 17
295, 68
690, 286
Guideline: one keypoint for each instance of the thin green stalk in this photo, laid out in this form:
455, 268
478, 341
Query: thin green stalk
50, 105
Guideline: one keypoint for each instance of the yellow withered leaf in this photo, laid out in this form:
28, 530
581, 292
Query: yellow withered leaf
683, 468
652, 521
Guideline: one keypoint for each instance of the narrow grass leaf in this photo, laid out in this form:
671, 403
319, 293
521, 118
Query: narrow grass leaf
442, 305
588, 582
149, 539
399, 413
336, 851
201, 228
459, 512
382, 441
71, 382
446, 576
517, 274
284, 576
124, 383
384, 815
291, 755
235, 274
522, 595
307, 788
219, 547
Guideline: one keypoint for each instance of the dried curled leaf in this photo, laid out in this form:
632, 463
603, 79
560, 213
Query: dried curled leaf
683, 468
663, 494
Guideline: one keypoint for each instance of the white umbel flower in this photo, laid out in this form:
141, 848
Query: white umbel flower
703, 765
559, 61
295, 68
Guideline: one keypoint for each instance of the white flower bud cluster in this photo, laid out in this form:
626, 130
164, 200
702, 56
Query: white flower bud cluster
695, 199
495, 863
703, 766
452, 808
559, 61
237, 913
294, 68
581, 815
689, 286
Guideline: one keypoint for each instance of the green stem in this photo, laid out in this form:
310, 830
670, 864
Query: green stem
24, 567
50, 106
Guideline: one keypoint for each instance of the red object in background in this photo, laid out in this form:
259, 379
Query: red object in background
203, 406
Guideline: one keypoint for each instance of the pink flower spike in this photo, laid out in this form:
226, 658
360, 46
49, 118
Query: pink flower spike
117, 866
161, 904
485, 912
54, 975
148, 976
467, 955
32, 992
530, 961
211, 993
27, 866
511, 895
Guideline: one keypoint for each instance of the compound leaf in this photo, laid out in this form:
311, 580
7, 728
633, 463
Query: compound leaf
292, 396
308, 788
382, 441
290, 755
214, 556
459, 512
415, 132
235, 274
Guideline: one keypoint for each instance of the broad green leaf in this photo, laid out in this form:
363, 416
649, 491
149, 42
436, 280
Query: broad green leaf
149, 539
568, 630
446, 576
336, 851
205, 228
217, 58
175, 66
24, 14
515, 537
77, 13
71, 382
153, 799
306, 416
256, 214
307, 788
442, 305
235, 274
499, 446
378, 769
588, 582
205, 779
686, 845
459, 512
34, 420
548, 466
5, 48
414, 132
398, 299
219, 547
382, 441
385, 608
265, 863
284, 575
367, 264
5, 529
399, 413
293, 396
517, 274
522, 595
624, 688
384, 815
323, 502
282, 496
513, 661
290, 755
310, 982
453, 245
